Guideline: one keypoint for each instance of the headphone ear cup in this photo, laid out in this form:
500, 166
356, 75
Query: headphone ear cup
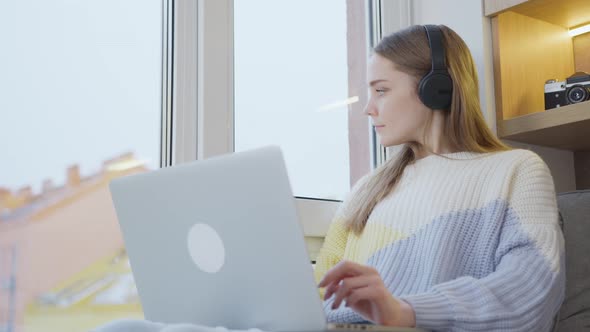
436, 90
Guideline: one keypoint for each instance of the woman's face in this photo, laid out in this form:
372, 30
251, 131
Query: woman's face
396, 112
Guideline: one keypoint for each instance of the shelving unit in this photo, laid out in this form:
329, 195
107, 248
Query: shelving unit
565, 13
566, 128
531, 45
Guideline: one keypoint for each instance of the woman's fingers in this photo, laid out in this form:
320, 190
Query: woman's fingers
346, 286
331, 289
362, 293
342, 270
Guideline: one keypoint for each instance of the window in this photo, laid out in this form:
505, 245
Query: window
80, 96
221, 45
299, 83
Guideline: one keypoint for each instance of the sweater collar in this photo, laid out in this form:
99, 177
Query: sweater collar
462, 155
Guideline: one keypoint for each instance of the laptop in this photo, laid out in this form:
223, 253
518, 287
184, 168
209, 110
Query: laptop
218, 243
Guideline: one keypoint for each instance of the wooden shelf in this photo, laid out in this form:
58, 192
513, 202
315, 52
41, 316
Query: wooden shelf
566, 127
530, 46
567, 14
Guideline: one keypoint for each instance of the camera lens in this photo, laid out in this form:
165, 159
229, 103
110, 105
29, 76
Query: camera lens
577, 94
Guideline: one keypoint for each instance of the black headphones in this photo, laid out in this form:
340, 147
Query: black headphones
436, 88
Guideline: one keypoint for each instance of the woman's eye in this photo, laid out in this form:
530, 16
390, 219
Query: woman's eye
380, 92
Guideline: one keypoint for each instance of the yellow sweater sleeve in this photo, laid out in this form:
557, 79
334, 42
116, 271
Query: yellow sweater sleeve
332, 250
336, 239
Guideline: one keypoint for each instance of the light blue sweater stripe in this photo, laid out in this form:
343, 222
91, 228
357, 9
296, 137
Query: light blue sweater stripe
474, 263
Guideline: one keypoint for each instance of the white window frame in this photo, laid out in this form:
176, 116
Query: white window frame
395, 15
198, 87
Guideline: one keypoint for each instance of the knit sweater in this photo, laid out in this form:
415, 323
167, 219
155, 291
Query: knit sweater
472, 244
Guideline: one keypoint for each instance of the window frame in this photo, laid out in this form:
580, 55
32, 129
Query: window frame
198, 87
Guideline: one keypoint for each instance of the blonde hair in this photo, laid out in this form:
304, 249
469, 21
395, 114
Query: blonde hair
464, 124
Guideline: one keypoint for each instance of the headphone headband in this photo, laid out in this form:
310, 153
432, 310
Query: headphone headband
436, 47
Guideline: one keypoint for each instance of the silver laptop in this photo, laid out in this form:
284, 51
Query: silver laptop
218, 243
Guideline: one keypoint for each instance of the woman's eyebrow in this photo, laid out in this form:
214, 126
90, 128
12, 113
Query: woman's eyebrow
376, 81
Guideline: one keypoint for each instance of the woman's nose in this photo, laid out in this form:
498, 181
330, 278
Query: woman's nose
369, 109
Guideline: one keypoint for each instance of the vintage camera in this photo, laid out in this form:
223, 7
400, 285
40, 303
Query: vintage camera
575, 89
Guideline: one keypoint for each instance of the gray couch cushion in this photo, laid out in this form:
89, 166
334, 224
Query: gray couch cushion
574, 208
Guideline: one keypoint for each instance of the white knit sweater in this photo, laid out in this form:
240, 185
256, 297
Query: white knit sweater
472, 244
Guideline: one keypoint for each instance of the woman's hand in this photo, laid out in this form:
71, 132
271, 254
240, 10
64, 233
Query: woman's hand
362, 288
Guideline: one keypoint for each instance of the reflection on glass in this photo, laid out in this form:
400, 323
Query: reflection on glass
292, 71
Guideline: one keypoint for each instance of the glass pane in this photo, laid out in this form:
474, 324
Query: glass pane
80, 96
292, 74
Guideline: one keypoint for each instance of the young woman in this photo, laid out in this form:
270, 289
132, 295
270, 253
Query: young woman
457, 231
